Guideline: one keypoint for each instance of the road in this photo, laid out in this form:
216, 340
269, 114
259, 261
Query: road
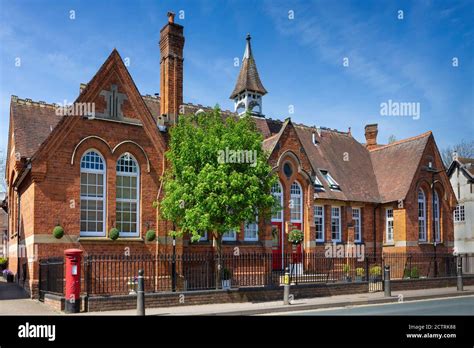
450, 306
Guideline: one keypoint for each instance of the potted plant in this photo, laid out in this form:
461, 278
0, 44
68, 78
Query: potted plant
132, 285
150, 235
360, 274
347, 269
3, 263
226, 279
375, 274
58, 232
114, 233
295, 237
8, 275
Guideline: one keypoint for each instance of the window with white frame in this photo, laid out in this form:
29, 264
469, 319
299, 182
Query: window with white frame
319, 222
277, 193
459, 213
127, 196
251, 231
230, 236
318, 185
332, 183
421, 215
389, 225
356, 216
296, 202
203, 236
336, 224
92, 194
436, 217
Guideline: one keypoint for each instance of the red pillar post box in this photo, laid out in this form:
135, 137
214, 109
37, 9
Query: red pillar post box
73, 280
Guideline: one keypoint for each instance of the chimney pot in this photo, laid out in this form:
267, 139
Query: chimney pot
171, 17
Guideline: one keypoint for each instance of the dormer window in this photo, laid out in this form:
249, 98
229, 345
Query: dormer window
330, 180
318, 186
315, 141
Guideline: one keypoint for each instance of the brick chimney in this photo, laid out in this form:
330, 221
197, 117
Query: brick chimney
171, 71
371, 131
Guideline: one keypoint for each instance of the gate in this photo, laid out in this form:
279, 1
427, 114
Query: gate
51, 277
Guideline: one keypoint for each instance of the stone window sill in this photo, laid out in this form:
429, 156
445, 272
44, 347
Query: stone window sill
108, 240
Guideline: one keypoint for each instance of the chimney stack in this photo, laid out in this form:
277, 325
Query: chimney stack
171, 71
371, 131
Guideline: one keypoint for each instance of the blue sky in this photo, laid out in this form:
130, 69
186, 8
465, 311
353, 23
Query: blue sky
300, 60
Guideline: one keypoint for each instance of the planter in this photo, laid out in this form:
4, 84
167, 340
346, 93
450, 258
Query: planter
226, 284
375, 279
348, 279
10, 278
359, 279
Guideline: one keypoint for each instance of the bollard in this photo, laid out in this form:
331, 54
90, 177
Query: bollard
141, 294
386, 279
459, 273
286, 287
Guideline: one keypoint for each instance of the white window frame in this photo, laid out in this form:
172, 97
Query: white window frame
459, 213
333, 185
296, 197
136, 201
247, 226
422, 237
230, 236
357, 224
338, 219
278, 195
319, 216
86, 198
389, 226
203, 237
437, 211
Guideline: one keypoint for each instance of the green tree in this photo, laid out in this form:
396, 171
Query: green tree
207, 187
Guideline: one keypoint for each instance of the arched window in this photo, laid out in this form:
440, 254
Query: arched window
277, 193
436, 217
92, 194
421, 215
127, 196
295, 202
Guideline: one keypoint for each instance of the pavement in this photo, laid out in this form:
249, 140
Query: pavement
273, 307
14, 301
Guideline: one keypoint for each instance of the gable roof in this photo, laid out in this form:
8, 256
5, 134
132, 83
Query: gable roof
347, 161
395, 166
466, 164
248, 79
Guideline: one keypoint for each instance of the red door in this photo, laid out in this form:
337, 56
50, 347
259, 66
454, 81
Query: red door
277, 245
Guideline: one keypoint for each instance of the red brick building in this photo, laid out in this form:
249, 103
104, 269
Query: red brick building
91, 172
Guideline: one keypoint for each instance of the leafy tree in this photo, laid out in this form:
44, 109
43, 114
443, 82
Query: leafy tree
204, 190
463, 149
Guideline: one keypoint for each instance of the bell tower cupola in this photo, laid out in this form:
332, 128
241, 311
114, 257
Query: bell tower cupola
249, 90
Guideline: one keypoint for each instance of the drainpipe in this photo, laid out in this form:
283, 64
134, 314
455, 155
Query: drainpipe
375, 230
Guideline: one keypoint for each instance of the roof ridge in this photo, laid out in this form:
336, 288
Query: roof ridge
28, 101
416, 137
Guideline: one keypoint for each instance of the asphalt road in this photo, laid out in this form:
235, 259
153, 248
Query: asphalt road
450, 306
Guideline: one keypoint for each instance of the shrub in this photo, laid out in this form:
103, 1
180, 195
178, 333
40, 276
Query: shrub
150, 235
375, 271
58, 232
3, 261
406, 273
346, 268
360, 272
295, 236
414, 273
114, 233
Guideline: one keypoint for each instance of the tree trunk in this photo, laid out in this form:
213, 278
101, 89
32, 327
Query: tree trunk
218, 268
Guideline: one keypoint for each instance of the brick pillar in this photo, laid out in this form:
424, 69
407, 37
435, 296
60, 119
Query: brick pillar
171, 70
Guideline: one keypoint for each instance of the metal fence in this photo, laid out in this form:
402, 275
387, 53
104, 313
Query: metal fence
116, 274
51, 276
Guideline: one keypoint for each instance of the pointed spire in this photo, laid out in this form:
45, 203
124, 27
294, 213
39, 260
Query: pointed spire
248, 79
